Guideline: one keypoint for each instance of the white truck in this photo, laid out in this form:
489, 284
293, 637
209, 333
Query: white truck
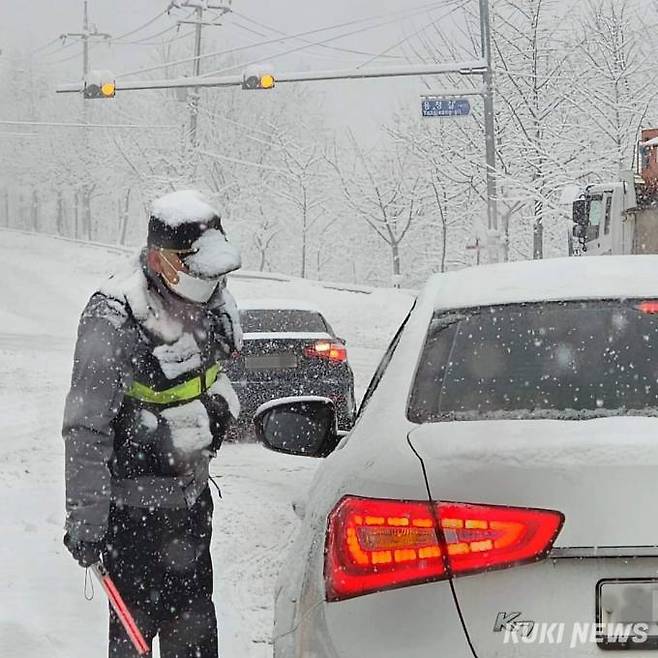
621, 217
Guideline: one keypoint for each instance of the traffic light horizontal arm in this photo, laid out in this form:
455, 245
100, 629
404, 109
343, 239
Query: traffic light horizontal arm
477, 91
473, 67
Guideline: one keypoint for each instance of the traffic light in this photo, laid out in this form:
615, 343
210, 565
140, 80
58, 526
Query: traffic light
104, 90
99, 84
258, 81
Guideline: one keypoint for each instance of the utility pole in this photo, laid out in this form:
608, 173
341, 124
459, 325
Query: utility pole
194, 105
493, 243
86, 36
199, 7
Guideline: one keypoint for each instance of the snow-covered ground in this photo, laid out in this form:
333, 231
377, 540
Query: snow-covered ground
43, 611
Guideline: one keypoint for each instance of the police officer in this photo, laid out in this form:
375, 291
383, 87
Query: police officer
147, 410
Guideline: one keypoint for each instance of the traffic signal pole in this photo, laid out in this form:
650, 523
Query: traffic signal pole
470, 67
493, 241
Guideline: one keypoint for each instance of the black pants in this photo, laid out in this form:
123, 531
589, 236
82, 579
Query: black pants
160, 562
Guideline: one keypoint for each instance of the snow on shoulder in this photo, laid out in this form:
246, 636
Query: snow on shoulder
555, 279
184, 206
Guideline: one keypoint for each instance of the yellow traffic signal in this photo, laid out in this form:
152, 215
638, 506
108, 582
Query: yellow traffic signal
99, 84
260, 81
267, 81
108, 89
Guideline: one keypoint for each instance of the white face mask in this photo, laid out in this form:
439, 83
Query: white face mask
192, 288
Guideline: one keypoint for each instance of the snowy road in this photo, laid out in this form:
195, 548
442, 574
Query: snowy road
43, 611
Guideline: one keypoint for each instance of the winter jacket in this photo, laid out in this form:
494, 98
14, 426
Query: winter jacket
149, 403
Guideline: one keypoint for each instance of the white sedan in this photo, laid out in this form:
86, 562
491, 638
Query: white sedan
498, 494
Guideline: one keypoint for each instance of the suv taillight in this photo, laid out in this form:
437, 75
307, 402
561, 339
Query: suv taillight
375, 544
324, 349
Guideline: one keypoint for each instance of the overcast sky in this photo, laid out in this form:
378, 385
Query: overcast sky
26, 26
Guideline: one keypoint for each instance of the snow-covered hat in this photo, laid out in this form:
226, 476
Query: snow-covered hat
178, 219
187, 221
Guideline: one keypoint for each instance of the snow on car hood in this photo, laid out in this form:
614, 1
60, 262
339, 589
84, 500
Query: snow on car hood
601, 474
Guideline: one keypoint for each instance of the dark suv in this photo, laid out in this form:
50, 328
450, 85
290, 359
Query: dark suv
289, 349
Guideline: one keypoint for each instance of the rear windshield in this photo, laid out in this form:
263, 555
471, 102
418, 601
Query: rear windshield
281, 320
573, 360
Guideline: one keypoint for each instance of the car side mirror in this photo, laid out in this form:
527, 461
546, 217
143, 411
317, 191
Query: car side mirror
581, 212
303, 426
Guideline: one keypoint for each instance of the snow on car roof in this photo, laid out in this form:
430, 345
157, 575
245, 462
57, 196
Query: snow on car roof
277, 304
601, 277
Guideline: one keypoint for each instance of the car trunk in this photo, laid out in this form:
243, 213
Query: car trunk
603, 476
266, 357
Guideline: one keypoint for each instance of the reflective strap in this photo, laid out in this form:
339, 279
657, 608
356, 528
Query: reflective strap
189, 390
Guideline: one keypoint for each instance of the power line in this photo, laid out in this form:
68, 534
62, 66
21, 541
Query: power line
45, 46
292, 36
351, 51
70, 57
141, 27
183, 35
248, 29
334, 38
143, 39
461, 5
59, 50
57, 124
324, 56
112, 42
73, 43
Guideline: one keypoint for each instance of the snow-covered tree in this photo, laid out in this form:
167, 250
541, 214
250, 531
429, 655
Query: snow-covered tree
384, 192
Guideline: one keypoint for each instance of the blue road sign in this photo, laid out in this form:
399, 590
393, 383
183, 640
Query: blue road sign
446, 107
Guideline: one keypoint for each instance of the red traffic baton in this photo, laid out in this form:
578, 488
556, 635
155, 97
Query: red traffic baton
120, 608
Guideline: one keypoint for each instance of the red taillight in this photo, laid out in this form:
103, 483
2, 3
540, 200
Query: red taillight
650, 306
324, 349
377, 544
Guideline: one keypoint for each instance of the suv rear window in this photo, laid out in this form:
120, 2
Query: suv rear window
281, 320
572, 360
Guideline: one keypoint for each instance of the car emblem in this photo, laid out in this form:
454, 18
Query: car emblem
510, 622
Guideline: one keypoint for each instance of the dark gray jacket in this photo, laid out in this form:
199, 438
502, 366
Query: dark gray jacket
140, 453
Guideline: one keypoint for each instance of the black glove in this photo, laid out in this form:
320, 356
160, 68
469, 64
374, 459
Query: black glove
230, 336
85, 552
219, 417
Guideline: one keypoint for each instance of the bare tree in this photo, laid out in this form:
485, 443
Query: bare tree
299, 188
383, 191
616, 82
